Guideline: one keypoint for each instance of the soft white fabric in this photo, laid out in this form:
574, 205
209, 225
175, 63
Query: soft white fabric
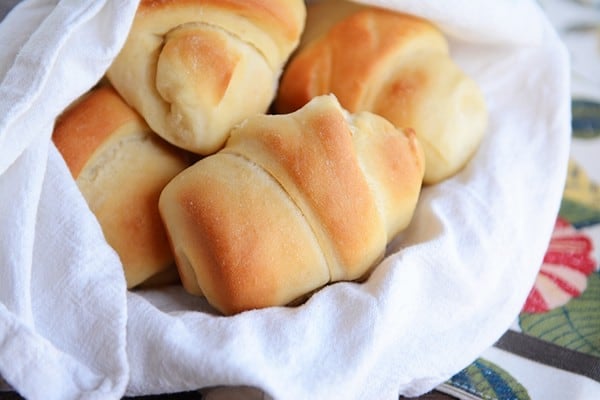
452, 284
62, 292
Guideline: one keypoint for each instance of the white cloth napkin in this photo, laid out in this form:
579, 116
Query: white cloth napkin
62, 294
452, 284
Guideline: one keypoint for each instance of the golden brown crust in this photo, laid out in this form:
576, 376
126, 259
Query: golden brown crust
284, 20
121, 167
352, 55
446, 109
216, 66
394, 166
314, 160
238, 239
84, 127
291, 203
190, 67
392, 64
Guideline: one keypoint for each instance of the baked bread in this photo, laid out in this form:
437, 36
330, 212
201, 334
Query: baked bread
195, 68
121, 167
392, 64
291, 203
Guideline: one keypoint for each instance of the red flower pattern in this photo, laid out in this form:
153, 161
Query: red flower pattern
563, 274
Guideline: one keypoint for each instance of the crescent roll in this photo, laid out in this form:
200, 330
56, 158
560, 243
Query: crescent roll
290, 204
195, 68
121, 167
394, 65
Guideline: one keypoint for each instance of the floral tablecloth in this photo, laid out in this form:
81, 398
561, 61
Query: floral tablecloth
552, 351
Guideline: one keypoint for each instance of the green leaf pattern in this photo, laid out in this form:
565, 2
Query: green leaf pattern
581, 199
575, 326
585, 119
488, 381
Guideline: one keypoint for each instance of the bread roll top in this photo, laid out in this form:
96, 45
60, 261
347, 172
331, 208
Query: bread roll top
291, 203
195, 68
430, 94
310, 153
349, 50
395, 65
272, 26
92, 122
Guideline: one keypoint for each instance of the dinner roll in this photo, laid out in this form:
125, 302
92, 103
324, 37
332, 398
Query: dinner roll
121, 167
193, 69
395, 65
291, 203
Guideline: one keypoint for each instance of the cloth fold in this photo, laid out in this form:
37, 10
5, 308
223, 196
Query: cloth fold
451, 285
62, 292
